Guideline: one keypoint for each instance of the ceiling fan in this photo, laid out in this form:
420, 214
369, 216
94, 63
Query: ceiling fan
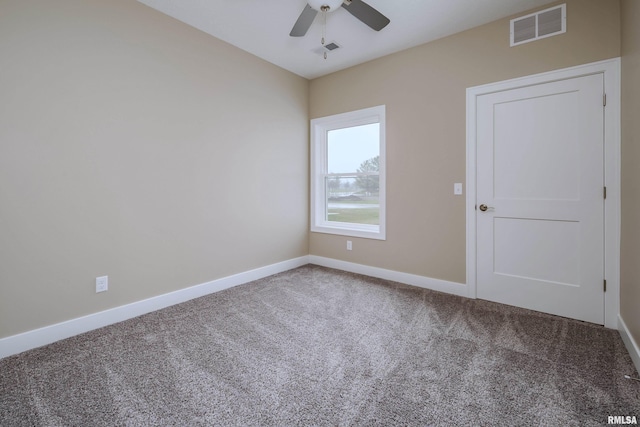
357, 8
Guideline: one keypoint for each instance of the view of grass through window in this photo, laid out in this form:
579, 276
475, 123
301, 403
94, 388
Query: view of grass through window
353, 182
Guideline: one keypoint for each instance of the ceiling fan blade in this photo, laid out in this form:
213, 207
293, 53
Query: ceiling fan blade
304, 21
366, 14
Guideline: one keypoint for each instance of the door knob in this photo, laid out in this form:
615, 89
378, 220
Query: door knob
485, 208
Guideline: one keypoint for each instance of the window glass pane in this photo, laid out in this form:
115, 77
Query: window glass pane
353, 199
349, 148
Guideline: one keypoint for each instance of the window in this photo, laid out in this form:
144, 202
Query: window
348, 174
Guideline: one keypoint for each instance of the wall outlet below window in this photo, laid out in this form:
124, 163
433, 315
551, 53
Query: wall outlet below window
349, 245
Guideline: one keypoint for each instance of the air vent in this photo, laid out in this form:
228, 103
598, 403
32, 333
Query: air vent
332, 46
539, 25
326, 48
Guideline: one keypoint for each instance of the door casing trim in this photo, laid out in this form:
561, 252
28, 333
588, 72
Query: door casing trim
611, 72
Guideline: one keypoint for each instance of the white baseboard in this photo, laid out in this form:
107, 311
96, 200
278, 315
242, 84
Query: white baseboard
629, 342
38, 337
454, 288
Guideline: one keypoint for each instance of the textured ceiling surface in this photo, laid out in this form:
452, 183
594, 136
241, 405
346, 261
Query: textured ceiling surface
262, 27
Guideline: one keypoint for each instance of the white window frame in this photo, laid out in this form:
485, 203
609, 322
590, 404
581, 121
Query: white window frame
319, 130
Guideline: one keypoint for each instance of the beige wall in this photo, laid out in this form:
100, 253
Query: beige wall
424, 91
630, 239
134, 146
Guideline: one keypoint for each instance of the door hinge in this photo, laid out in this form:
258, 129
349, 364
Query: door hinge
604, 100
605, 285
605, 192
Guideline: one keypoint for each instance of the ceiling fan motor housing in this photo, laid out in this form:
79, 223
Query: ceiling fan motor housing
319, 4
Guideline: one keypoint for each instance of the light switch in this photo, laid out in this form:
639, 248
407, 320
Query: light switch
457, 188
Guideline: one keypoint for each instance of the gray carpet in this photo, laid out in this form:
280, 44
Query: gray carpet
315, 346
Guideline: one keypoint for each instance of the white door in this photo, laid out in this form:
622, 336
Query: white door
540, 174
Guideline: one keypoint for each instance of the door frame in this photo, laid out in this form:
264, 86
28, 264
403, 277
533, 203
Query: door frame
611, 72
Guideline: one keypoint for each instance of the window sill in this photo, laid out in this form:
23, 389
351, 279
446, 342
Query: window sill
352, 230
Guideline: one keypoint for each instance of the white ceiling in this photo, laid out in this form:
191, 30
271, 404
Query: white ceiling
262, 27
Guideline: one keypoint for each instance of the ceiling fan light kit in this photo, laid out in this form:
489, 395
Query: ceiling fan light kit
321, 5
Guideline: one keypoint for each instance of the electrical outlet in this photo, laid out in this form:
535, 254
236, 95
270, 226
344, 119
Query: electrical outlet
349, 245
102, 284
